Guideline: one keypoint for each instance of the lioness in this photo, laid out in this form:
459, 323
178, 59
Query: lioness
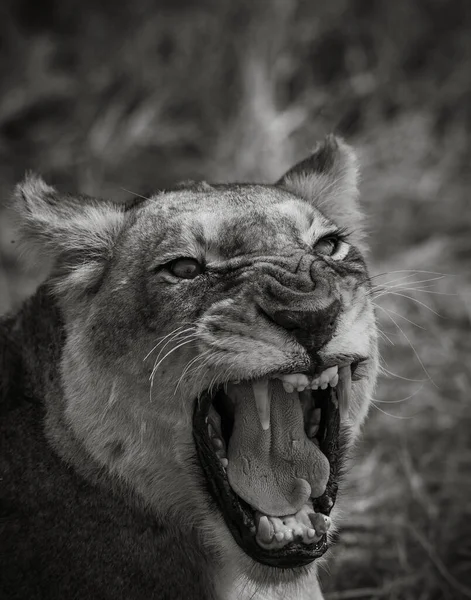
179, 396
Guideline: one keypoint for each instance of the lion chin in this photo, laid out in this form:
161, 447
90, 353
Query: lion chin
203, 361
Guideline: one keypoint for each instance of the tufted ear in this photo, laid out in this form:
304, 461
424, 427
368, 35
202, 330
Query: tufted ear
76, 234
328, 179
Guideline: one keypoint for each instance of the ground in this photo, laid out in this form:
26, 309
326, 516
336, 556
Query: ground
115, 102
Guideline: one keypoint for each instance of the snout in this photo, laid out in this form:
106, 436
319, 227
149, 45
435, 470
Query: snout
312, 329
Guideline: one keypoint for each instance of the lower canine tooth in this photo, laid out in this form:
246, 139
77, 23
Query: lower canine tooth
265, 530
279, 536
320, 522
262, 402
343, 389
224, 462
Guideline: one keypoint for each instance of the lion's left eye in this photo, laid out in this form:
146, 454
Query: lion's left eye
327, 246
186, 268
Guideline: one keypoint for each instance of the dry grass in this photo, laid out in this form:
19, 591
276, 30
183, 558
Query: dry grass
104, 101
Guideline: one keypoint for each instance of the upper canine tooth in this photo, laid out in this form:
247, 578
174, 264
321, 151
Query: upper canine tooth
262, 402
344, 389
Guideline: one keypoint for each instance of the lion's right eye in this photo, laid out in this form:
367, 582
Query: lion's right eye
185, 268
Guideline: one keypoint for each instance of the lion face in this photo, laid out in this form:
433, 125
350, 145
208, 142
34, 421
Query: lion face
220, 349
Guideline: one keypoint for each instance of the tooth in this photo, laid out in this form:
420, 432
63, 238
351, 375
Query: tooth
323, 378
217, 443
288, 536
334, 380
224, 462
262, 402
214, 420
320, 522
328, 502
295, 379
314, 421
332, 371
288, 387
265, 530
344, 388
326, 376
311, 532
279, 536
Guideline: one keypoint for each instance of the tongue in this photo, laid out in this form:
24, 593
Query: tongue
277, 469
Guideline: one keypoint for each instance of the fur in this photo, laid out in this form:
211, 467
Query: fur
107, 496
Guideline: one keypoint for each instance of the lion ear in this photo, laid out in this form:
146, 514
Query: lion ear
328, 179
76, 234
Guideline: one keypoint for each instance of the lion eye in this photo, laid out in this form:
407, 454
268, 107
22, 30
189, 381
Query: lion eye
328, 245
186, 268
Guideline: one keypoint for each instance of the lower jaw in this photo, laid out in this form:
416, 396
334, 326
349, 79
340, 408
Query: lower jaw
239, 516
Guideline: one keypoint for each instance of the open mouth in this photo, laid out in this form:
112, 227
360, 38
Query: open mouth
271, 452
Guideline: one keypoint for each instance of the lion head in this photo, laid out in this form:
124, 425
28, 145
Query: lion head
220, 348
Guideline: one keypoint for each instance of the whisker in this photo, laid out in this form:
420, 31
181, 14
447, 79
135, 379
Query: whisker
424, 290
211, 384
400, 376
390, 415
172, 339
410, 285
401, 400
427, 280
188, 366
385, 337
386, 283
212, 356
393, 272
410, 344
385, 290
228, 379
402, 317
414, 300
164, 337
410, 271
156, 366
135, 194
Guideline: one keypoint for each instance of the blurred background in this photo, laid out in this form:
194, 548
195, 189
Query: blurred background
115, 99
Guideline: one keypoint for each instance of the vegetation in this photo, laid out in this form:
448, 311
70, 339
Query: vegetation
113, 99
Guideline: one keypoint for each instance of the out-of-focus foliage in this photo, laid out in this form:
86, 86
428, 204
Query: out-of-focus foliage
114, 98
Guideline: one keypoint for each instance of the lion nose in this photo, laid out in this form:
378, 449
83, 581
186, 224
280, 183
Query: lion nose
312, 329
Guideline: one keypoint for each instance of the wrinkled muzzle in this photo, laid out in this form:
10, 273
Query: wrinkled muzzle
300, 298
